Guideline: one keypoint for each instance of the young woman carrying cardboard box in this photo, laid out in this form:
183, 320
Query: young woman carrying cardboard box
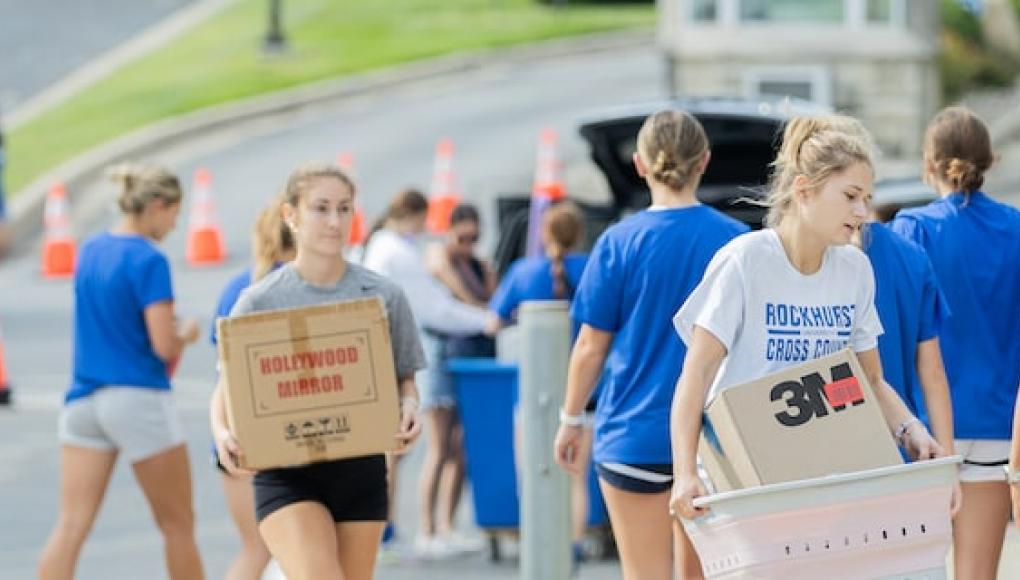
325, 520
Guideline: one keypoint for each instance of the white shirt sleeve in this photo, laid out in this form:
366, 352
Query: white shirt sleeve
867, 326
433, 305
436, 309
716, 304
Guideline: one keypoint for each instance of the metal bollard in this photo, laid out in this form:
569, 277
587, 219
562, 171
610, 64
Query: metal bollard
545, 489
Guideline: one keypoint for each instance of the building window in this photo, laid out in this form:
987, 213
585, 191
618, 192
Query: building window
885, 12
791, 11
809, 83
704, 10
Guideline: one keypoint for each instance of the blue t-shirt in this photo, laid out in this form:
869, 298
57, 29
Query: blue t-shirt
910, 306
638, 275
117, 278
231, 292
531, 279
974, 245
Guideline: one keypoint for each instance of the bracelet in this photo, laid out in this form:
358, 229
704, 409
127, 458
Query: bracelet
904, 428
409, 400
571, 420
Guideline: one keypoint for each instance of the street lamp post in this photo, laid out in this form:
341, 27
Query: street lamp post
275, 41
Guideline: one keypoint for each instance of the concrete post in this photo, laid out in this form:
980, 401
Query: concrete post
545, 489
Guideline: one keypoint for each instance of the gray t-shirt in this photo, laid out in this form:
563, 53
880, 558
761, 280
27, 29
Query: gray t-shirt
285, 288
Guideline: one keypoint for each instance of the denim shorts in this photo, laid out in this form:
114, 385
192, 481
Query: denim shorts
435, 386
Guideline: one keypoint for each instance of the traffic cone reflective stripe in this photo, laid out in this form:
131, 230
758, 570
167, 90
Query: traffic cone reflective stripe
443, 194
58, 254
547, 189
205, 237
357, 234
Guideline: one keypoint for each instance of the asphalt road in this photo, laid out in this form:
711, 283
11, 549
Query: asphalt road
43, 40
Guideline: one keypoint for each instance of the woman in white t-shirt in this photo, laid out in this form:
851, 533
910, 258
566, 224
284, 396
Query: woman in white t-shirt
394, 249
795, 291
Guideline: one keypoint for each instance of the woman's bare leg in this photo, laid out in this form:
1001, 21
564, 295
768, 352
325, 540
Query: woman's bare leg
357, 545
979, 529
166, 482
451, 483
437, 425
84, 476
303, 538
644, 535
252, 559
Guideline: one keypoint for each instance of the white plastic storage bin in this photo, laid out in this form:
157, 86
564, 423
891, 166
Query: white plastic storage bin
886, 523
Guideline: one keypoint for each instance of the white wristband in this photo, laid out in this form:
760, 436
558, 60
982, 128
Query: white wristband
412, 401
571, 420
904, 428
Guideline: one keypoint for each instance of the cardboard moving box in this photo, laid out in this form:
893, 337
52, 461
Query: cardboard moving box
817, 418
310, 384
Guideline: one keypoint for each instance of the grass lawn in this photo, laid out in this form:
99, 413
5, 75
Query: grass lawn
221, 60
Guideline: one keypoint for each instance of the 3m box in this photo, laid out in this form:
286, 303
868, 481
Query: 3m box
809, 420
310, 384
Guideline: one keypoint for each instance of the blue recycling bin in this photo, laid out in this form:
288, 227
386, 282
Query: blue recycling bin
486, 397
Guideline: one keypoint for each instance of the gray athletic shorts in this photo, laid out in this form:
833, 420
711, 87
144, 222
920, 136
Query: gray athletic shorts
138, 422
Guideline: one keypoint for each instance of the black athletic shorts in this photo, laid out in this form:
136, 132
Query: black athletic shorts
353, 490
637, 478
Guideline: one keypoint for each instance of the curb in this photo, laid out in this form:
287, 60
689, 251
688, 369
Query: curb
26, 208
100, 67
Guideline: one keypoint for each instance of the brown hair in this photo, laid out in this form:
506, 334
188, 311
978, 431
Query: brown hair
141, 184
271, 239
465, 212
300, 178
959, 148
671, 143
563, 226
817, 148
408, 202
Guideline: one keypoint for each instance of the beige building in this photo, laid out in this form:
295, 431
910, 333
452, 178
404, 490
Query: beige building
874, 59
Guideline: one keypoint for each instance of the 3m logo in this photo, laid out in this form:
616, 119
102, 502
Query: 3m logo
813, 397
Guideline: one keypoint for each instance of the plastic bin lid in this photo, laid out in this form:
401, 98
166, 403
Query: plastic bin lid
827, 480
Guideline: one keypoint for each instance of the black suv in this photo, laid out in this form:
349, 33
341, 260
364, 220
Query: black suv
744, 137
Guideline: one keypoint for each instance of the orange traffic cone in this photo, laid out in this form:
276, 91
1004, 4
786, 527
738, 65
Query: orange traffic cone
547, 189
356, 237
5, 387
443, 195
548, 168
205, 238
58, 245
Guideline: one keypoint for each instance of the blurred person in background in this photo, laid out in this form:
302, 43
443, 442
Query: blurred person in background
395, 249
554, 275
272, 245
912, 310
119, 402
973, 242
470, 279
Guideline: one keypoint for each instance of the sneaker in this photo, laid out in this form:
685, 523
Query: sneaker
463, 543
389, 535
433, 548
